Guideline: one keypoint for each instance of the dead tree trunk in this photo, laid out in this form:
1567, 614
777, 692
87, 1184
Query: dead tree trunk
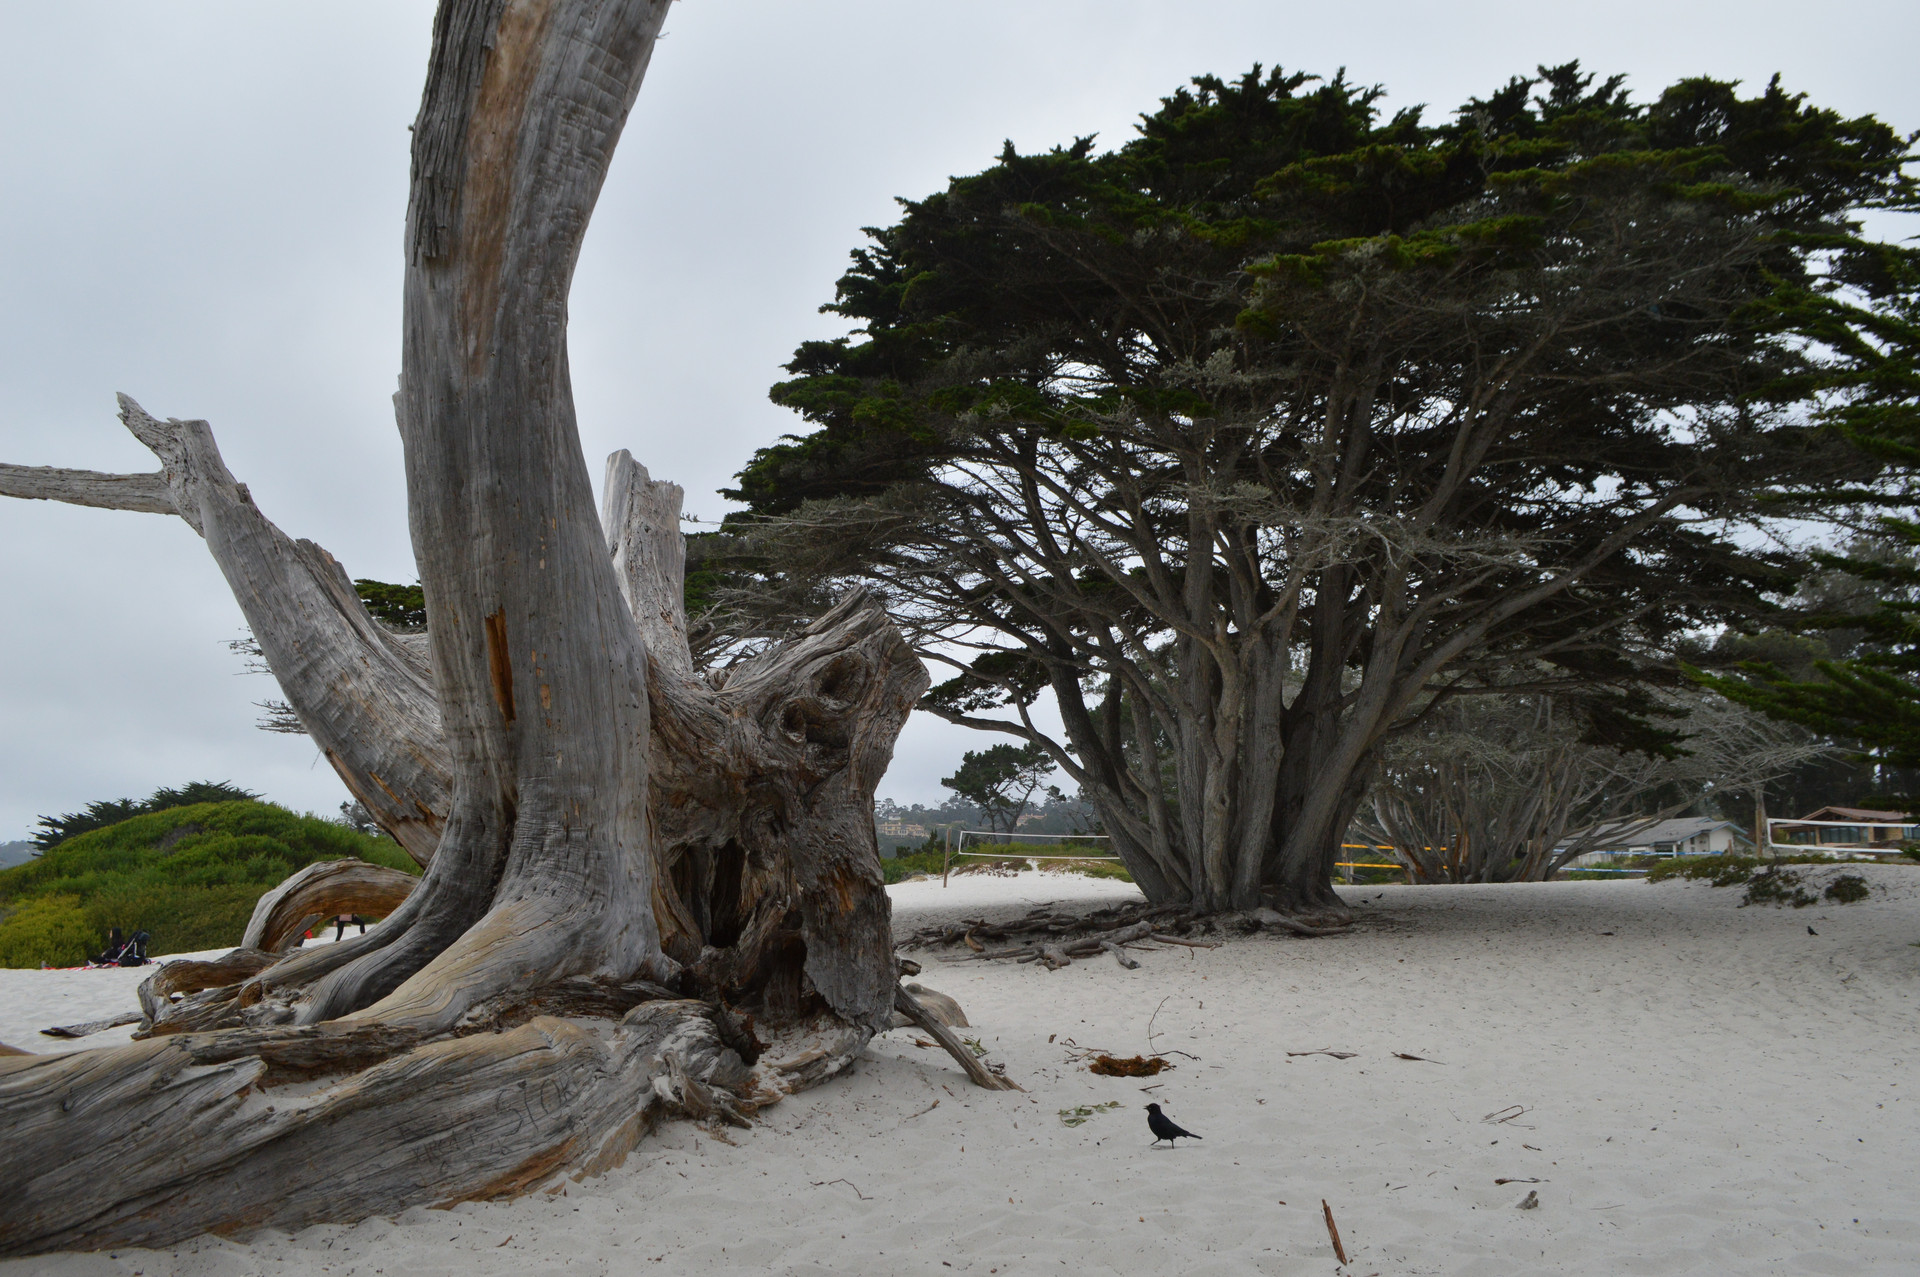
600, 823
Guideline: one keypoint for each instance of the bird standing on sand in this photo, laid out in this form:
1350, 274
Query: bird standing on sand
1163, 1128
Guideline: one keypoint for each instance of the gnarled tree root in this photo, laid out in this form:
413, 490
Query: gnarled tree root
241, 1129
324, 891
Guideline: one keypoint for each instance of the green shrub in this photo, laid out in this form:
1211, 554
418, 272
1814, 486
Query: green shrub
1014, 860
902, 867
50, 929
1088, 869
1776, 886
1768, 881
1847, 889
190, 875
1724, 871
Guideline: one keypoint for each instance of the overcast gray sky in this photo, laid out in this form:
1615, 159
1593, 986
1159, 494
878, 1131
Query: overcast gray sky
201, 204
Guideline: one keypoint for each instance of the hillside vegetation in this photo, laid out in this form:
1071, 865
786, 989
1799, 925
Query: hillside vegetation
189, 875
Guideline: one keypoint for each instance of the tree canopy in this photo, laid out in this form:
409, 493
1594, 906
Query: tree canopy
1866, 322
1257, 437
1000, 780
400, 607
54, 830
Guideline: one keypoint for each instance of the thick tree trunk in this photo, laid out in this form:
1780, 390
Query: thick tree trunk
596, 819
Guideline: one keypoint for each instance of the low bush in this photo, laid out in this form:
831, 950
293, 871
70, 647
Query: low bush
1724, 871
189, 875
900, 868
1007, 858
1768, 882
1776, 886
50, 929
1847, 889
1088, 869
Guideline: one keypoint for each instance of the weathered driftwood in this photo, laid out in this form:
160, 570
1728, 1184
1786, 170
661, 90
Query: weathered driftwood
323, 891
87, 1028
242, 1128
937, 1004
1046, 922
1273, 920
1077, 935
599, 823
143, 492
1060, 953
174, 981
969, 1063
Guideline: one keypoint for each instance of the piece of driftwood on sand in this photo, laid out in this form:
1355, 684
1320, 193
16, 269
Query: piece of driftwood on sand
1053, 939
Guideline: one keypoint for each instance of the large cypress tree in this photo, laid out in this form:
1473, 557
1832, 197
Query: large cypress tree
1260, 436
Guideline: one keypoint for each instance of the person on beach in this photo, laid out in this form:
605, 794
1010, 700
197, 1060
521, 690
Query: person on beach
110, 956
130, 951
341, 921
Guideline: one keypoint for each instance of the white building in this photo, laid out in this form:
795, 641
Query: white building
1683, 836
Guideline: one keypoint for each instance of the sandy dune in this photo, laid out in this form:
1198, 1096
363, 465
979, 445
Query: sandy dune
1701, 1089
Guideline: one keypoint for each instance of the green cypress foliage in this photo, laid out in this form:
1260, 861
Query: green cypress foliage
54, 830
400, 607
1865, 319
1287, 384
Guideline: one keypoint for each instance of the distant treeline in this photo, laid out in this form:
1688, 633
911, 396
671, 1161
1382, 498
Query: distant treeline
55, 830
1052, 816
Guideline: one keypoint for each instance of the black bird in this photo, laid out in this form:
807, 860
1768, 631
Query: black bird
1163, 1128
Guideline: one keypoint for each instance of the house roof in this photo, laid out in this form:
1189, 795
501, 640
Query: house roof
1858, 813
1625, 833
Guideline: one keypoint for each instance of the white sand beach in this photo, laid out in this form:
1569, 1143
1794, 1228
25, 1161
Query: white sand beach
1695, 1087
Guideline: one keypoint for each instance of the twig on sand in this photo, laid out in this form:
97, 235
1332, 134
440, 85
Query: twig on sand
1500, 1117
849, 1183
922, 1113
1338, 1055
1150, 1020
1402, 1055
1520, 1181
1333, 1231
